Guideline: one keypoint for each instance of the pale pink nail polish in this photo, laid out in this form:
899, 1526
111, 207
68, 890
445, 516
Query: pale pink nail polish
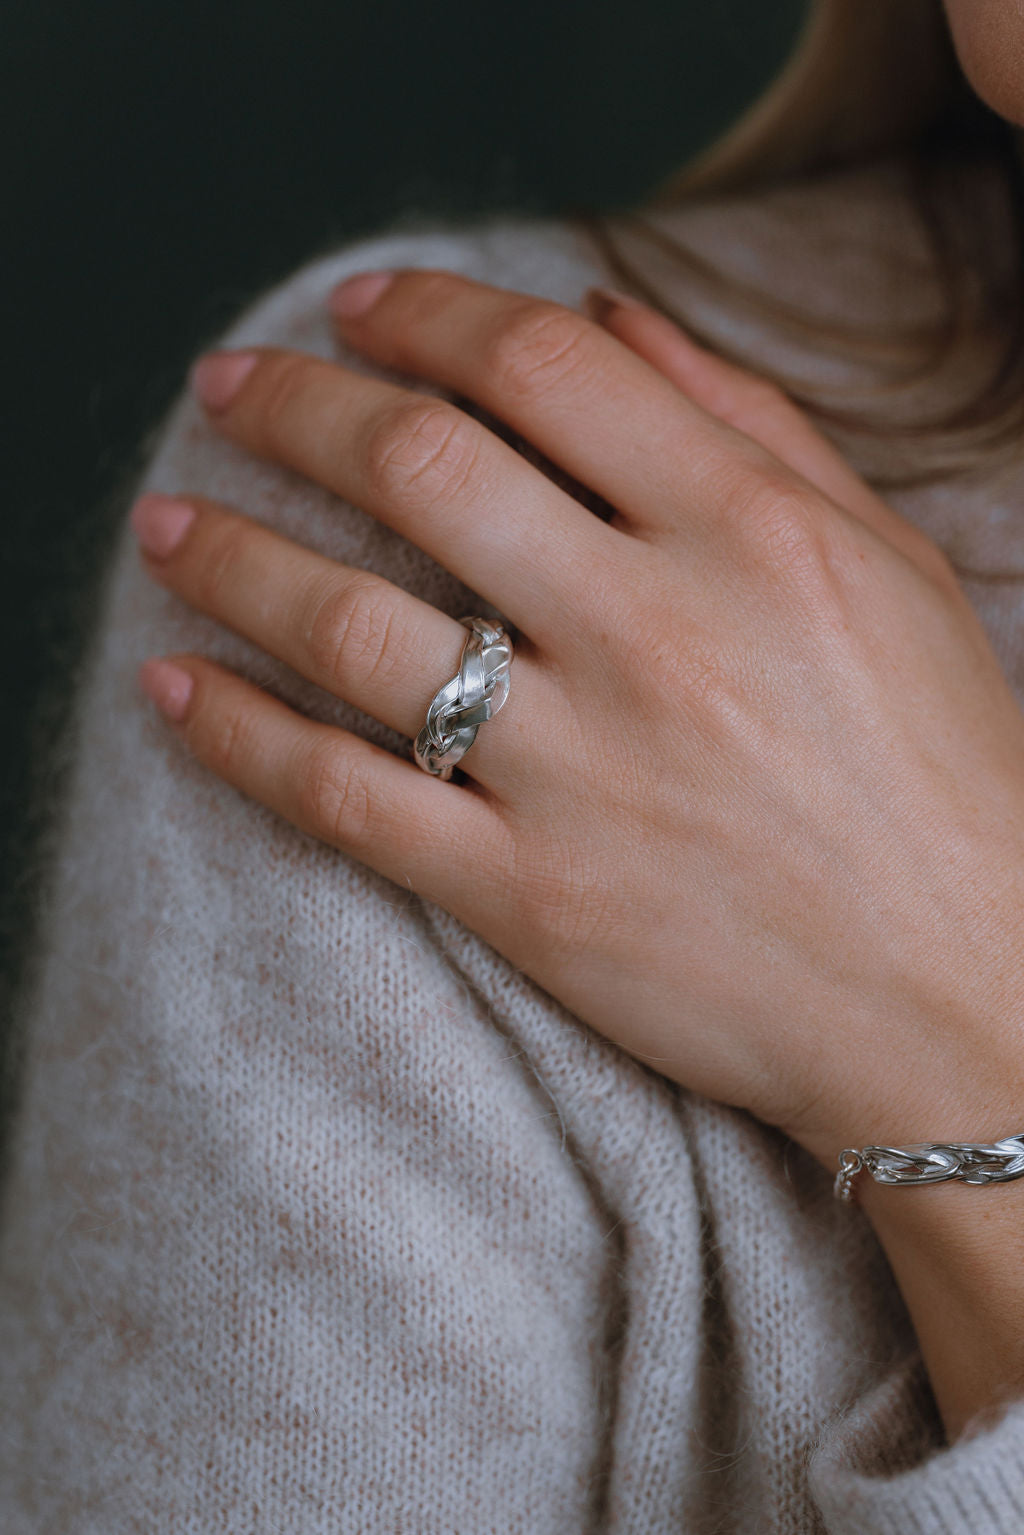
358, 294
168, 686
217, 377
160, 523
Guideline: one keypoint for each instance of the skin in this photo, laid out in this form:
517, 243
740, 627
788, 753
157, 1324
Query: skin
811, 836
988, 36
824, 831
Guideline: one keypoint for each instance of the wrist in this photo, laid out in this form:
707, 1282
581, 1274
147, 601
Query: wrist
973, 1102
956, 1249
956, 1253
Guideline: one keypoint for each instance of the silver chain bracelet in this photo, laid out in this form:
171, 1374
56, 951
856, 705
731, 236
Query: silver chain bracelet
932, 1162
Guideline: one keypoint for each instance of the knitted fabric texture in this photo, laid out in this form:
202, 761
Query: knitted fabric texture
325, 1218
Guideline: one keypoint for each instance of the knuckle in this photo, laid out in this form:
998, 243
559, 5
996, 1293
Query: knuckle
426, 291
222, 555
279, 389
335, 797
348, 636
228, 745
422, 448
538, 347
782, 529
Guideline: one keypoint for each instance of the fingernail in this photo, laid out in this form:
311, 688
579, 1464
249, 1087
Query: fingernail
169, 687
217, 377
160, 523
600, 302
358, 294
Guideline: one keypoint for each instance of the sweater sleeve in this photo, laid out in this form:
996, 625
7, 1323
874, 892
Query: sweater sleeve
878, 1470
288, 1241
320, 1217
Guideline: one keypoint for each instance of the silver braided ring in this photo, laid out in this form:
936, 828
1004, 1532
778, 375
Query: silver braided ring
475, 693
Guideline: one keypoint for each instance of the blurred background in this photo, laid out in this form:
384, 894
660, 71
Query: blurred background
163, 163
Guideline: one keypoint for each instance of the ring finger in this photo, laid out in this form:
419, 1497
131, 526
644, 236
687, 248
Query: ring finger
425, 468
349, 631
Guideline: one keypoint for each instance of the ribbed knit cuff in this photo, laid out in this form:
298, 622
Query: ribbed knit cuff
881, 1468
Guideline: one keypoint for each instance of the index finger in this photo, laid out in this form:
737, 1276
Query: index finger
575, 391
424, 467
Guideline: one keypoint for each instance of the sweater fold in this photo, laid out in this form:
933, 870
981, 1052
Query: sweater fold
322, 1217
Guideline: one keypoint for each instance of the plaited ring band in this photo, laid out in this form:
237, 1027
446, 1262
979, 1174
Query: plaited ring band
475, 694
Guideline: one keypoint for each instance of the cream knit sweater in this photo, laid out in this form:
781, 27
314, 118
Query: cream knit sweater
323, 1218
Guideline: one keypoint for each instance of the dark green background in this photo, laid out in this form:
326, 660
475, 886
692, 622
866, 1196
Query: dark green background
162, 163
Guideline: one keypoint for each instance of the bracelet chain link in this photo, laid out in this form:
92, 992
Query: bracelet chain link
932, 1162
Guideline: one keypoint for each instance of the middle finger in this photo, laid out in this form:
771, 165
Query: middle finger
575, 391
425, 468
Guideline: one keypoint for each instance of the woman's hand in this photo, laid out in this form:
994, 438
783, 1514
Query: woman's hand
754, 808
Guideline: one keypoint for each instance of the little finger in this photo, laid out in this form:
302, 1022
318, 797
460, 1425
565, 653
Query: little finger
349, 631
439, 839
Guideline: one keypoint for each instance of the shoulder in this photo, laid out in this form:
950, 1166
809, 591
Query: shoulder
189, 456
546, 256
847, 245
530, 254
842, 256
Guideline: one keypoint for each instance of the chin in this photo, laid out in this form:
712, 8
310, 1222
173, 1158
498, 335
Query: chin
989, 39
